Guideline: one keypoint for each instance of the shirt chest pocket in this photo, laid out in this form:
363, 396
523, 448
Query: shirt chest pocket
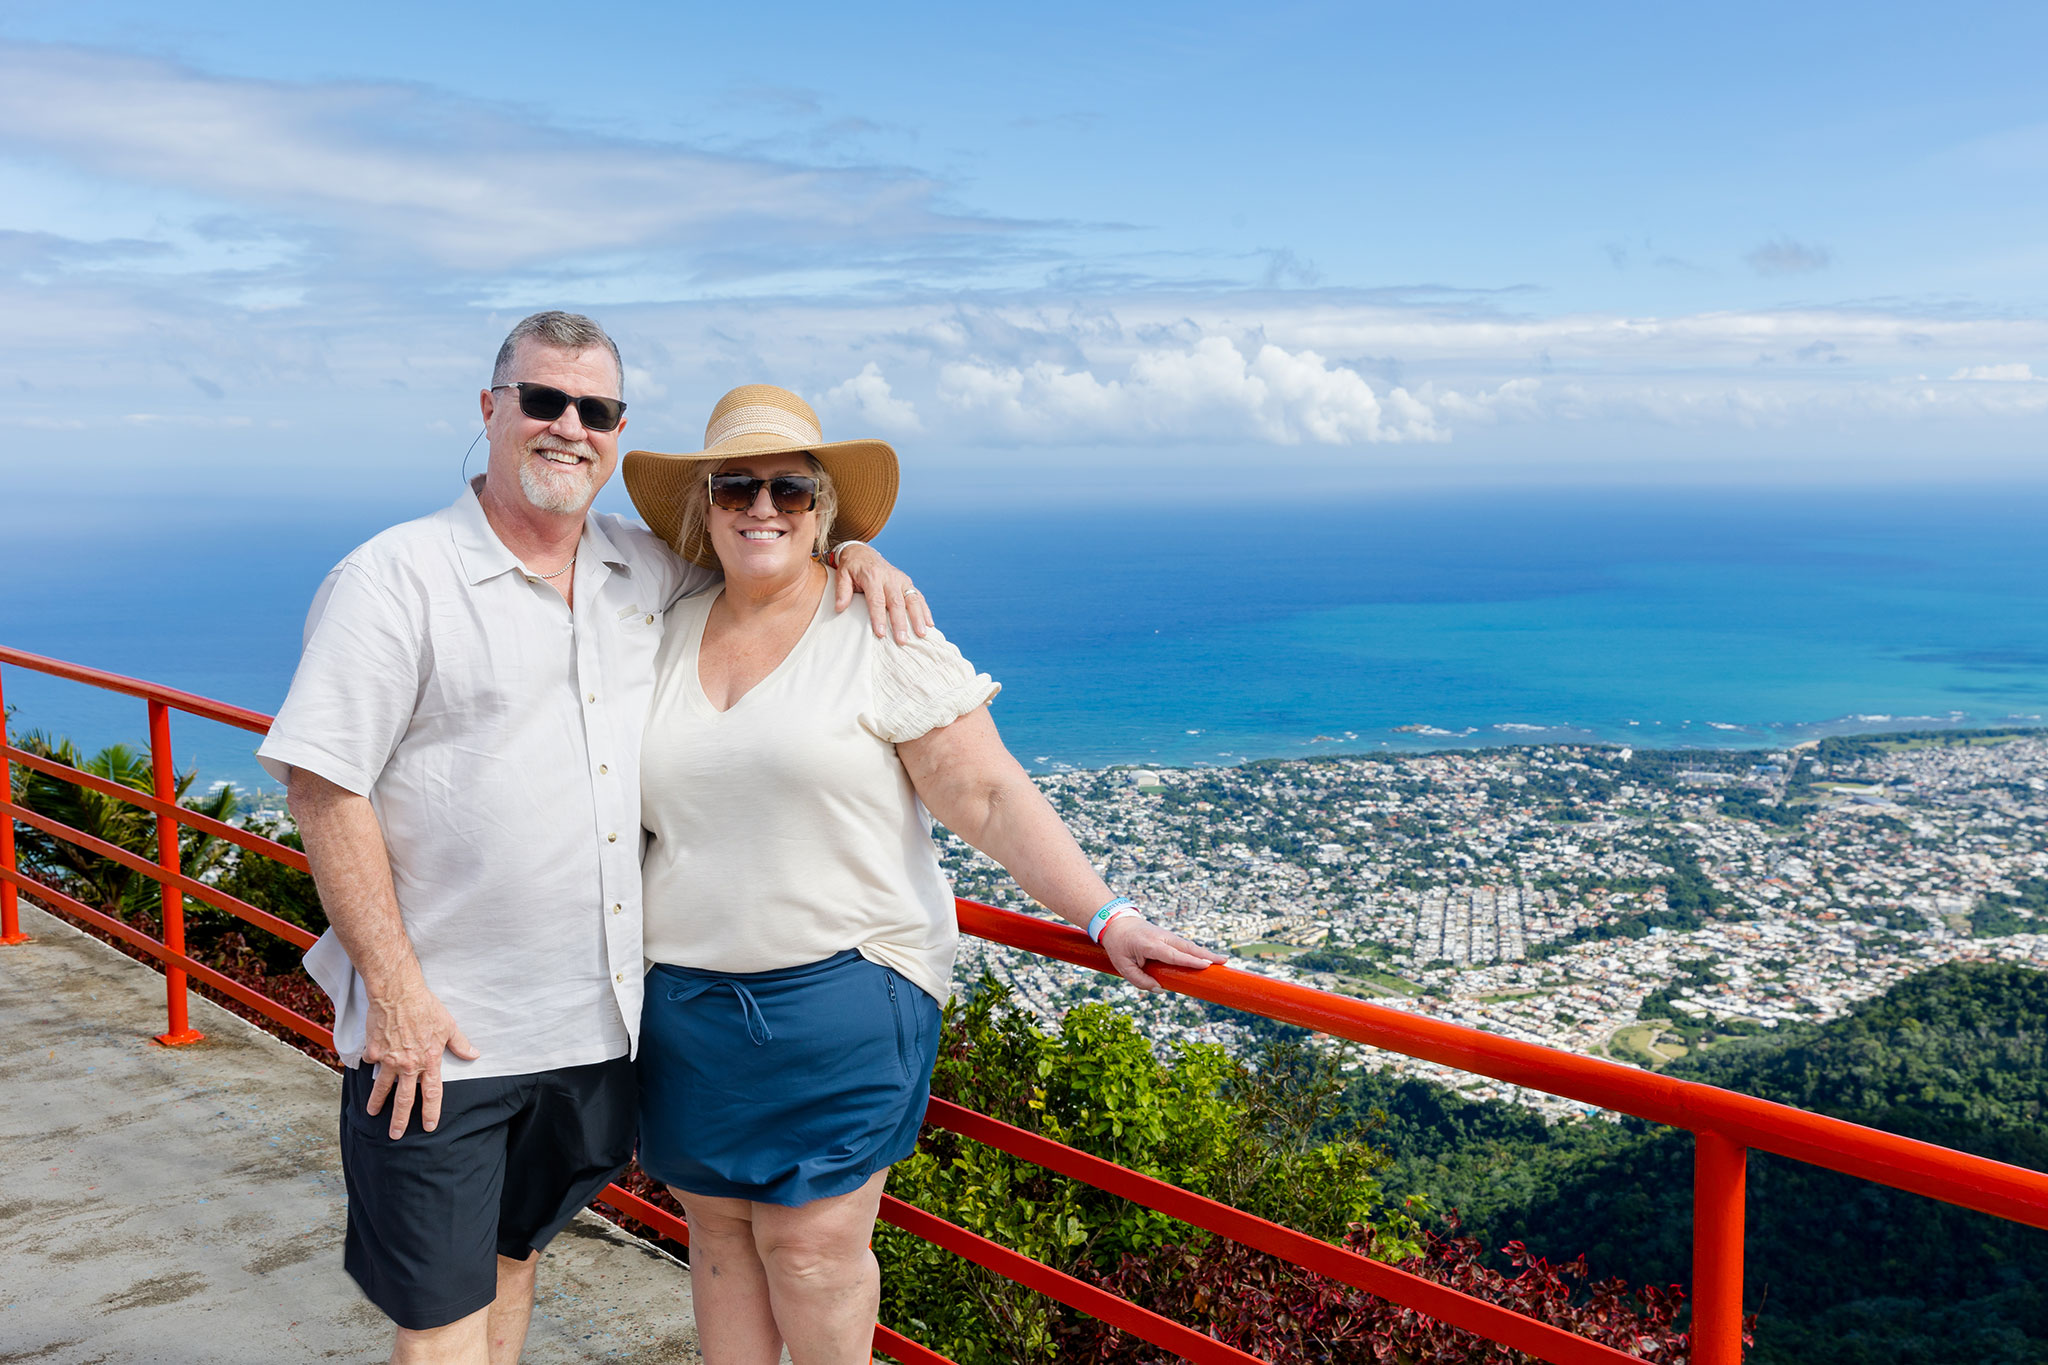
639, 634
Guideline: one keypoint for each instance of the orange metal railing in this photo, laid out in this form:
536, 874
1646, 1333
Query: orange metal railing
1725, 1125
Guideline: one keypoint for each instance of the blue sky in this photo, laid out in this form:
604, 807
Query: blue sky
1454, 244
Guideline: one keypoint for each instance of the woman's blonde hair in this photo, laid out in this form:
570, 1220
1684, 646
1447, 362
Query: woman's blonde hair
696, 520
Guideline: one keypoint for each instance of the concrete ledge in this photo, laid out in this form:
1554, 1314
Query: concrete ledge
186, 1204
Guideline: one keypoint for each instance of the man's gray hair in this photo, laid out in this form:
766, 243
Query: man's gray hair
563, 332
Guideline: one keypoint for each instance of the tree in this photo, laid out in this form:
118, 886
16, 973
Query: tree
98, 880
106, 884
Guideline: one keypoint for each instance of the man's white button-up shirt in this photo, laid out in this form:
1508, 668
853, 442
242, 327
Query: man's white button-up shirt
496, 732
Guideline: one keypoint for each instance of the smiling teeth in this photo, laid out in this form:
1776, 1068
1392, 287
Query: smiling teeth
762, 535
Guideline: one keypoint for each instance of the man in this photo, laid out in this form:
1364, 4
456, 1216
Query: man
461, 745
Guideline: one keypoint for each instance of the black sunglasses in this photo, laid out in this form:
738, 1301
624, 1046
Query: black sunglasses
545, 404
789, 492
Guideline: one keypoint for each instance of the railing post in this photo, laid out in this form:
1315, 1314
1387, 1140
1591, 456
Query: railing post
165, 772
1719, 1183
10, 902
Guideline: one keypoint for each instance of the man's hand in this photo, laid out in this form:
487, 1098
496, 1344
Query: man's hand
1132, 941
893, 604
408, 1028
405, 1037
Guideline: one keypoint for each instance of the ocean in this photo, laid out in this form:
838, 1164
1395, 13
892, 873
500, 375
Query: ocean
1178, 635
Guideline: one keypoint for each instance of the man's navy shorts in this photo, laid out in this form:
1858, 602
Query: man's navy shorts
512, 1160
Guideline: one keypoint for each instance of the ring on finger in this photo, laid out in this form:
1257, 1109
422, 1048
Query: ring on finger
909, 593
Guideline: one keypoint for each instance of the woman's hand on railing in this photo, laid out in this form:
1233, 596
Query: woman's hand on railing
1132, 941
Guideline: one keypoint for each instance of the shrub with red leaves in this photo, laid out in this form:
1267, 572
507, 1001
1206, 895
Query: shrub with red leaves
1271, 1309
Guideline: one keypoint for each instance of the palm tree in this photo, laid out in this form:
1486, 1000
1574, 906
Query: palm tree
91, 877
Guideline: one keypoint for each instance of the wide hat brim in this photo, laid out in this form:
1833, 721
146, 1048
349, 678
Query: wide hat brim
863, 474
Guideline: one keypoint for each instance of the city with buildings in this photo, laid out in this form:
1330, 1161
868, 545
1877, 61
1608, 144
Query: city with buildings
1629, 904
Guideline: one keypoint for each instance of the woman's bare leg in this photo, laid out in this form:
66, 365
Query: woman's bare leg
728, 1284
822, 1276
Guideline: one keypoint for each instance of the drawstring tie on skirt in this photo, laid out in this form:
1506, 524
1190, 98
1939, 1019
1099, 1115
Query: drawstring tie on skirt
757, 1023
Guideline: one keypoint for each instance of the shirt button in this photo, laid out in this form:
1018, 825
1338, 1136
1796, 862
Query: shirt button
602, 769
590, 696
650, 620
618, 976
611, 838
617, 908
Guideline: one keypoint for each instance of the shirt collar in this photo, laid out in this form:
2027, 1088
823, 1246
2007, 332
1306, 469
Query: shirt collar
601, 544
484, 556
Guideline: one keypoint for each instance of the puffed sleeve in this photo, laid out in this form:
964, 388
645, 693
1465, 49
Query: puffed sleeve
921, 686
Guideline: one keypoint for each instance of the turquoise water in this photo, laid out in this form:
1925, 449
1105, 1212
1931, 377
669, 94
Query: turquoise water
1723, 621
1189, 635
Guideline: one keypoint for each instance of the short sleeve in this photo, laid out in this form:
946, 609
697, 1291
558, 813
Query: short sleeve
921, 686
356, 687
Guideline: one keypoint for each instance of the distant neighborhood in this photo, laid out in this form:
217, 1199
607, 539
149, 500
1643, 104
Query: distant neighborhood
1632, 904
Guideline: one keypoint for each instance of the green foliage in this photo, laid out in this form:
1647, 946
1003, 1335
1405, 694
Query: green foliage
269, 885
1957, 1055
1328, 959
1689, 899
1851, 748
1624, 1048
1750, 805
1996, 918
1474, 1156
1249, 1136
94, 878
1657, 1004
1687, 888
106, 884
1998, 913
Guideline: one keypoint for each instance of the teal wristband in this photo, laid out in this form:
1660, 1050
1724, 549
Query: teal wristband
1105, 915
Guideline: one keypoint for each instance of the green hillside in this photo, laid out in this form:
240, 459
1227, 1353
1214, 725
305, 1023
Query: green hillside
1844, 1272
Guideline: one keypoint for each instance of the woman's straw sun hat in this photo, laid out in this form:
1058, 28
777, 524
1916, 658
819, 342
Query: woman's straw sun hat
760, 419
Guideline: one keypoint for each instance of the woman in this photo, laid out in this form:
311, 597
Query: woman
801, 930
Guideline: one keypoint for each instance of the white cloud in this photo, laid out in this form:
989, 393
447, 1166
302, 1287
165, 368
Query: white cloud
200, 421
473, 186
866, 398
276, 240
643, 385
1211, 392
1221, 369
1512, 399
1997, 374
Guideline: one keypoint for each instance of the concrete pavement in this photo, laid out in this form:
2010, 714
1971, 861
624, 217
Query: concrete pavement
185, 1205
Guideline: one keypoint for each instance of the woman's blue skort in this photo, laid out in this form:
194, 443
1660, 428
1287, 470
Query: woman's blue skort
782, 1086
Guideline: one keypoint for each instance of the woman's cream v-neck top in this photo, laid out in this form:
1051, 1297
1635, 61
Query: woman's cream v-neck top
784, 829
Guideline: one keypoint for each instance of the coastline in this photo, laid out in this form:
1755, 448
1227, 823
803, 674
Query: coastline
1422, 740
